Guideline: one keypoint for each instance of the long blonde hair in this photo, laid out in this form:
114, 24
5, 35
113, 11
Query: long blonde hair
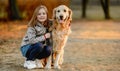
33, 20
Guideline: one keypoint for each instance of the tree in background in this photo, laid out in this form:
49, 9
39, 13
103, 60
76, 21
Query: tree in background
105, 6
84, 7
13, 11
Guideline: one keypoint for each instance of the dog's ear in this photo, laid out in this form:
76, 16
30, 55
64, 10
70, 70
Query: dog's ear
54, 13
70, 15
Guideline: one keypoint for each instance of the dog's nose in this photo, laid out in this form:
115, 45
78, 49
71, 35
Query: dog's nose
61, 17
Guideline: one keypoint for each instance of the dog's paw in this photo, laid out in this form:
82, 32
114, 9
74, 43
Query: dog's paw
61, 62
57, 67
47, 67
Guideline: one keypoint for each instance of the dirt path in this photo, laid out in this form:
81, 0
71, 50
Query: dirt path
92, 46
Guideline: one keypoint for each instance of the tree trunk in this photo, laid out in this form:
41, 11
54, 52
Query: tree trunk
13, 12
105, 6
84, 6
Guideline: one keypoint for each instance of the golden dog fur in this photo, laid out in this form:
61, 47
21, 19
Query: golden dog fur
62, 17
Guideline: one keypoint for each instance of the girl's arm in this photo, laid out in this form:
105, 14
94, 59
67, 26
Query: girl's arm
32, 36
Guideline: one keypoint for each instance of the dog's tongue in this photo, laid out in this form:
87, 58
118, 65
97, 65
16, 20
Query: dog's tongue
61, 21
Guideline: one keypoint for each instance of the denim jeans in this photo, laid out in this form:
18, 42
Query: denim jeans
38, 51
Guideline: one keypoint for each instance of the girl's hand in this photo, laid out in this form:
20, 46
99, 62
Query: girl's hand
47, 35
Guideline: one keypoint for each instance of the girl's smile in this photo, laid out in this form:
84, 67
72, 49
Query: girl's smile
42, 15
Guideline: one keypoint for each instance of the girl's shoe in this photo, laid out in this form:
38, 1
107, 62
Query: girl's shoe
39, 63
30, 64
25, 65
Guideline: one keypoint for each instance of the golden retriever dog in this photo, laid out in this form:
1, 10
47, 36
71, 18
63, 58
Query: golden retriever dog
62, 17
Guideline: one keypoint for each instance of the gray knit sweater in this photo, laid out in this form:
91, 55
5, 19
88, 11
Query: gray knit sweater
34, 35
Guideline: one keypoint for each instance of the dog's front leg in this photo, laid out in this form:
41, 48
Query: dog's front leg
48, 65
56, 64
61, 57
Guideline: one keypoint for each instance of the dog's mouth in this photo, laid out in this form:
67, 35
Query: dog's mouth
61, 19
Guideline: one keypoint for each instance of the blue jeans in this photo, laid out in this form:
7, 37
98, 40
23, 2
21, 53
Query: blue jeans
38, 51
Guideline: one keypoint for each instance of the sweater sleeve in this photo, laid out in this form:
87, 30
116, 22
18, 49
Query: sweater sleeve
32, 36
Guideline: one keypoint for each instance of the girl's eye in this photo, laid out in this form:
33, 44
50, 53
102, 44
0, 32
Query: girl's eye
64, 10
43, 13
39, 13
58, 11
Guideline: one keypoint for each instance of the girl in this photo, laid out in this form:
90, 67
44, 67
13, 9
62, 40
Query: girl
33, 44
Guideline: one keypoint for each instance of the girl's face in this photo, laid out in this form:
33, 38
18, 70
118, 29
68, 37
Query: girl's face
42, 15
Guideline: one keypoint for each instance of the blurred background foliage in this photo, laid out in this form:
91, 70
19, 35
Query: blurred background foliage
95, 9
82, 9
24, 9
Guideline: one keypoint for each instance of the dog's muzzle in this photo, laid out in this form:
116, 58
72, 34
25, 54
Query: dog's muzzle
61, 19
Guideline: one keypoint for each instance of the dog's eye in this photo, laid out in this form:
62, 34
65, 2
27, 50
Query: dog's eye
64, 10
58, 11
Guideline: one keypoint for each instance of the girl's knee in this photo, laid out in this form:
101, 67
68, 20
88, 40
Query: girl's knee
38, 46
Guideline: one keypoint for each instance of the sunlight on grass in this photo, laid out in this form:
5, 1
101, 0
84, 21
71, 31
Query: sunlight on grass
12, 29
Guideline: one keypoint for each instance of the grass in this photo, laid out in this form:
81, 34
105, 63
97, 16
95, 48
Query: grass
96, 12
82, 53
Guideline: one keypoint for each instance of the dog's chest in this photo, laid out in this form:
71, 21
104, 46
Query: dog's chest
60, 34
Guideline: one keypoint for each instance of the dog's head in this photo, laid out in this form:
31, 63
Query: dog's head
62, 14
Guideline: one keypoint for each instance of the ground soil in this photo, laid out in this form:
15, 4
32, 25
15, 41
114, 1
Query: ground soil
92, 46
